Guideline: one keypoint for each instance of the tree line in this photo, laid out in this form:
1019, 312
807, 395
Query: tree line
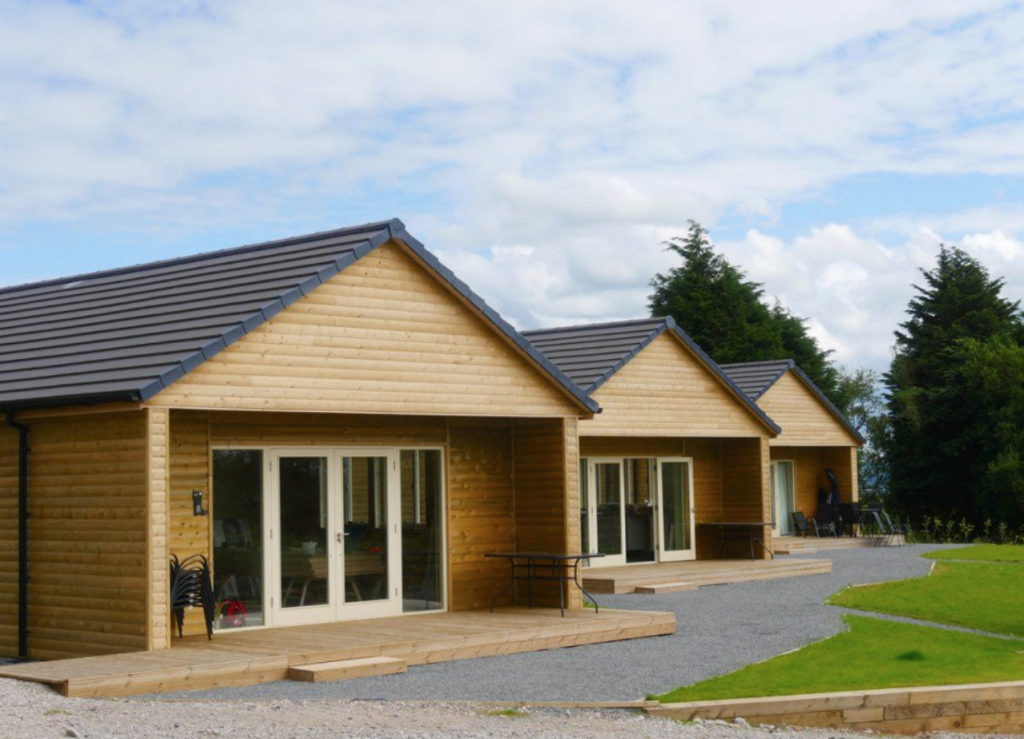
945, 423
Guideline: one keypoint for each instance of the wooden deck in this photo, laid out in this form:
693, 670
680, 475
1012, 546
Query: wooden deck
266, 655
666, 577
814, 544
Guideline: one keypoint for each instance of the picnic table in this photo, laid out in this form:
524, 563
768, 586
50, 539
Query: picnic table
749, 531
544, 567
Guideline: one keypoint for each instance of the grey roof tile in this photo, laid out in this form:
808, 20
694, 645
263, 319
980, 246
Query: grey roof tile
125, 334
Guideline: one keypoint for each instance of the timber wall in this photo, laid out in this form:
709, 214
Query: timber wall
8, 542
996, 708
89, 543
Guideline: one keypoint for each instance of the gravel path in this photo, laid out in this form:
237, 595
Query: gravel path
30, 711
719, 629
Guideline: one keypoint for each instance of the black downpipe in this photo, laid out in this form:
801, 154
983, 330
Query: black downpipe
22, 430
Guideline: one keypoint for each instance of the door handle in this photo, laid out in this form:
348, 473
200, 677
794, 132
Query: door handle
338, 536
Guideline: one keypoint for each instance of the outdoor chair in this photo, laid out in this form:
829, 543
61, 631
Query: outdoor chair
191, 587
804, 526
895, 529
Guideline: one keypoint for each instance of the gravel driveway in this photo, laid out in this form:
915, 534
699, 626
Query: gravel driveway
719, 629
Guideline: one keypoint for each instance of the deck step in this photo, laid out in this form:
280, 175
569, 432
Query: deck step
347, 669
665, 587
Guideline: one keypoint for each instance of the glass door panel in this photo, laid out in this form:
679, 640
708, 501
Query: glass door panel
422, 532
585, 508
782, 495
676, 512
238, 538
640, 495
607, 486
304, 519
366, 529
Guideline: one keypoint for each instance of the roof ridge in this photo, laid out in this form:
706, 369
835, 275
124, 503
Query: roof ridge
145, 266
607, 324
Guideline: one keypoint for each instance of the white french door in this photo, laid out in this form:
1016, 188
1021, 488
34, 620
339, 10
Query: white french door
333, 534
783, 489
675, 510
606, 511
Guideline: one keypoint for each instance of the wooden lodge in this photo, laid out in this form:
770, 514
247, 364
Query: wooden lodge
815, 438
335, 421
676, 449
343, 430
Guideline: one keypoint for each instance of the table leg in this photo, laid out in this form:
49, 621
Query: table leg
511, 582
561, 586
576, 577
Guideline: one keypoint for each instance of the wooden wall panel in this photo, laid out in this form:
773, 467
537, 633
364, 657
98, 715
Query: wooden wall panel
481, 510
540, 478
8, 541
157, 436
189, 470
383, 336
571, 521
804, 419
665, 391
843, 462
302, 429
89, 537
746, 495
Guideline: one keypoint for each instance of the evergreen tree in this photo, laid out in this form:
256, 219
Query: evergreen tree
938, 453
725, 313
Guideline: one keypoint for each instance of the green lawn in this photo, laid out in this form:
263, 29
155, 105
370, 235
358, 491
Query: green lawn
986, 596
872, 654
982, 553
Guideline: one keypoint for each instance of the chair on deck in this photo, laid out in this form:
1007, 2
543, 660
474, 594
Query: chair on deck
804, 526
191, 587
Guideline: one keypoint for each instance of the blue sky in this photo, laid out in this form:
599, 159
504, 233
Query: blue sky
544, 151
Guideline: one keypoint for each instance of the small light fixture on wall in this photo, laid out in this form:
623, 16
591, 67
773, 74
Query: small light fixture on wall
197, 503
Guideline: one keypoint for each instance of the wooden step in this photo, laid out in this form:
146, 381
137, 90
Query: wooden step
665, 587
347, 669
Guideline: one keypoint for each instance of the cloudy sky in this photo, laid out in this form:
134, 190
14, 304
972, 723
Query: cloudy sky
543, 150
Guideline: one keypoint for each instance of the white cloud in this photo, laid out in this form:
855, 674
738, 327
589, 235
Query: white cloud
564, 141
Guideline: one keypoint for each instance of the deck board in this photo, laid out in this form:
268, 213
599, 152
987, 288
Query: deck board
265, 655
627, 578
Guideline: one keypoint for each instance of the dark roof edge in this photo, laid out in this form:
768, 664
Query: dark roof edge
66, 401
828, 403
397, 230
713, 366
264, 314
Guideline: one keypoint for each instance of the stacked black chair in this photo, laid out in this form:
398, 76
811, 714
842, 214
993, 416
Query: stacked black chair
191, 587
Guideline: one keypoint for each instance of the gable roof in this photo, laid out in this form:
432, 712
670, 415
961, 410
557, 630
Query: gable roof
591, 354
757, 378
126, 334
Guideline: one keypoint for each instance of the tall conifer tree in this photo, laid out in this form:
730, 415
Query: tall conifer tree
939, 425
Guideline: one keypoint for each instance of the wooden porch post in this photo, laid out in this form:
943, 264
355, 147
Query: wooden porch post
573, 535
158, 632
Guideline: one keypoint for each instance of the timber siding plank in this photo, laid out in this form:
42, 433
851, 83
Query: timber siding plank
383, 336
664, 391
985, 708
91, 556
805, 421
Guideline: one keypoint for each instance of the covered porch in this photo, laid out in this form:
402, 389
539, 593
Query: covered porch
638, 511
337, 650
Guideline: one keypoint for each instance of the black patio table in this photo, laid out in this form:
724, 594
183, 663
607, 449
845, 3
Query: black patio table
749, 530
546, 567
